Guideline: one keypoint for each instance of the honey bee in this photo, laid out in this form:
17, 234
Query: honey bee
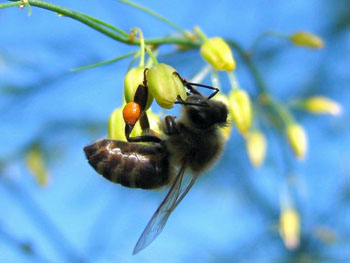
191, 143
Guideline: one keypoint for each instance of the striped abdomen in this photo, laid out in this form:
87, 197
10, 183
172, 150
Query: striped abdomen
130, 164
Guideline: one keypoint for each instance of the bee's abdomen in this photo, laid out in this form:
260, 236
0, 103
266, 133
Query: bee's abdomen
130, 164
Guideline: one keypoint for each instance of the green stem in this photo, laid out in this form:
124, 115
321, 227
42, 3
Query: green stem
122, 32
104, 28
279, 109
233, 80
282, 112
215, 79
253, 69
264, 35
104, 62
10, 4
152, 13
153, 57
142, 47
200, 33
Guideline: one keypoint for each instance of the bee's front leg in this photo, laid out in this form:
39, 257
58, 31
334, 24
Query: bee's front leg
171, 127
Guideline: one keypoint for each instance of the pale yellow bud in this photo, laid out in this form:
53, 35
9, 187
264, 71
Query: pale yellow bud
218, 54
297, 139
241, 110
306, 39
36, 165
320, 104
256, 147
290, 228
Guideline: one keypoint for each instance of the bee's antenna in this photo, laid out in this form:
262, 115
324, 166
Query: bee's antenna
193, 90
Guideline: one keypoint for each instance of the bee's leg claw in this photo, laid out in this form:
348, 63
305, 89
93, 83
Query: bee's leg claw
171, 126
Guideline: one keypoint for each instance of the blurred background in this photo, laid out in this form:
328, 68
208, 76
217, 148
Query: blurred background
49, 114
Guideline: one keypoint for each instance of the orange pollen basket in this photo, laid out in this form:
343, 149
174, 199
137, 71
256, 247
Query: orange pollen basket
131, 113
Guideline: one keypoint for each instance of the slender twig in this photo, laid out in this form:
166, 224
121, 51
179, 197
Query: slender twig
162, 18
266, 99
106, 62
10, 4
105, 28
251, 66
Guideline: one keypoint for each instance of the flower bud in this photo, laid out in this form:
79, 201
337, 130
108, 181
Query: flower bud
226, 130
116, 126
256, 147
132, 80
290, 228
218, 54
306, 39
241, 110
319, 105
36, 165
297, 139
164, 85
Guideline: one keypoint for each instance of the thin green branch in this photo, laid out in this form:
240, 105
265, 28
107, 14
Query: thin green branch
263, 36
281, 111
122, 32
152, 13
10, 4
106, 62
253, 69
89, 21
105, 28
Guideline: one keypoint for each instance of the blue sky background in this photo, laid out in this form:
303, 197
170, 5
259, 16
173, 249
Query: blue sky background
231, 214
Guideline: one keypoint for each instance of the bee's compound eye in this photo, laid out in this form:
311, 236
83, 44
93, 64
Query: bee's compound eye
131, 113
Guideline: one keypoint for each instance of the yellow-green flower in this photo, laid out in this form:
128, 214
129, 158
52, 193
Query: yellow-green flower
306, 39
289, 228
132, 80
256, 147
320, 104
164, 85
241, 110
297, 139
218, 54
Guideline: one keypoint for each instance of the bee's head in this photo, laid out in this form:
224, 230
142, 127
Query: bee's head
204, 113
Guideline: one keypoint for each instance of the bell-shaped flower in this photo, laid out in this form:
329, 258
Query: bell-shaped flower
322, 105
297, 139
165, 85
256, 147
218, 54
306, 39
241, 110
132, 80
289, 227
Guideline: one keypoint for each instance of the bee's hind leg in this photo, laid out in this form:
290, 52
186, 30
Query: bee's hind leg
142, 138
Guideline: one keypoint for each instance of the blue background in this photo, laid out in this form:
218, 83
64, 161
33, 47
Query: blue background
232, 212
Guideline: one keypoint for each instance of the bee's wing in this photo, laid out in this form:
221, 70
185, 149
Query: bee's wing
176, 193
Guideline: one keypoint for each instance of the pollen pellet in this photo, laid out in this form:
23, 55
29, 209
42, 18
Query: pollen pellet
131, 113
